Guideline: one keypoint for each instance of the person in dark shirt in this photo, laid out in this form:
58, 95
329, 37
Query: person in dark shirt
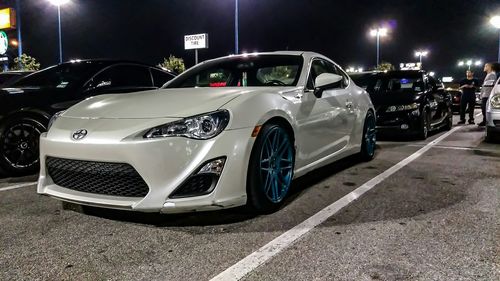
469, 86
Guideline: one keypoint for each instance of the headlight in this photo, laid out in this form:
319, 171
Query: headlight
54, 118
199, 127
495, 101
406, 107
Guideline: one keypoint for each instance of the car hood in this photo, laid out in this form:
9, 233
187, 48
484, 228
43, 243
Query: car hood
162, 103
386, 99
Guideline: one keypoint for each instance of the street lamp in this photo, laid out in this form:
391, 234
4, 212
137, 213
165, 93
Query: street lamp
58, 3
378, 32
495, 21
469, 63
420, 54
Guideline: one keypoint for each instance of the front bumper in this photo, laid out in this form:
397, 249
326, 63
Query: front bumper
164, 164
405, 122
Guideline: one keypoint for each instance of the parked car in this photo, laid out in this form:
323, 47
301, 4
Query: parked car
27, 105
228, 132
493, 113
407, 102
9, 77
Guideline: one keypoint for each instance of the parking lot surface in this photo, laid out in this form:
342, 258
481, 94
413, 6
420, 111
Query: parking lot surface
436, 218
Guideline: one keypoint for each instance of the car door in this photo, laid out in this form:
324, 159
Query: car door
121, 78
323, 120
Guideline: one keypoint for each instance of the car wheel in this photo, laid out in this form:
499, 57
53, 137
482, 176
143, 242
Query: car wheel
449, 120
270, 170
424, 126
19, 145
490, 135
369, 141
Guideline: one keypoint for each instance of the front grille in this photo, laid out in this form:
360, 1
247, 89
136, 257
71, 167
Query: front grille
195, 186
115, 179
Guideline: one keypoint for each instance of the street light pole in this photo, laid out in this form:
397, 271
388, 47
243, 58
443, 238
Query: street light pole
236, 27
19, 39
421, 54
495, 21
58, 3
378, 32
60, 33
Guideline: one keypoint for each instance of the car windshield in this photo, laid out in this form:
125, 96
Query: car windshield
61, 76
391, 83
243, 71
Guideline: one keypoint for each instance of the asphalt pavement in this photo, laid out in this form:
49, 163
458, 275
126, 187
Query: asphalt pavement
435, 218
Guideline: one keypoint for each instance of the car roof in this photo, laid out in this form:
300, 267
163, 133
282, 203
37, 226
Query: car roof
389, 72
108, 62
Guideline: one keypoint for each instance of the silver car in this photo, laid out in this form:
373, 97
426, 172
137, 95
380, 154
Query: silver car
493, 113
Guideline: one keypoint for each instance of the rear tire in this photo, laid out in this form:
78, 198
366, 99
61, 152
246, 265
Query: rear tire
270, 170
19, 145
369, 141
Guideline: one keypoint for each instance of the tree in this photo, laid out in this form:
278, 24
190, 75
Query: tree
174, 64
26, 62
385, 66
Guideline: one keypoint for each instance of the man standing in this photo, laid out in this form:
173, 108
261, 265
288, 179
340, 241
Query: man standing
468, 100
488, 84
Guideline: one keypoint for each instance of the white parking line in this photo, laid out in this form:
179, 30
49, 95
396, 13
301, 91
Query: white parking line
17, 186
265, 253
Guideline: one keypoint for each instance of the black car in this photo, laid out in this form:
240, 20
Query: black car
407, 102
27, 105
9, 77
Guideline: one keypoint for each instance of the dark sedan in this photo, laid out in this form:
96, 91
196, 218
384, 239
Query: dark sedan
27, 105
407, 102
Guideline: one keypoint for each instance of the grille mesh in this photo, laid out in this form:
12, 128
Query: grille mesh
115, 179
195, 186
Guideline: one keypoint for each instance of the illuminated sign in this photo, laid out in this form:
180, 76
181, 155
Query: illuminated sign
410, 66
7, 18
4, 43
196, 41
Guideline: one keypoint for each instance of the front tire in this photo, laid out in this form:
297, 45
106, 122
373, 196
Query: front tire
449, 121
491, 136
270, 170
424, 126
369, 140
19, 145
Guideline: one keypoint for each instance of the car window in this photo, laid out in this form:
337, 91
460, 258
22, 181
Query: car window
243, 71
122, 76
320, 66
160, 77
6, 77
345, 78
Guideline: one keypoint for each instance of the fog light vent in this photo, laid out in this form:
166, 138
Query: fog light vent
203, 181
404, 127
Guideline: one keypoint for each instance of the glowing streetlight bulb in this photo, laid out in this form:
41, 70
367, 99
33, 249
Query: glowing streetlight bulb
461, 63
495, 21
58, 2
478, 63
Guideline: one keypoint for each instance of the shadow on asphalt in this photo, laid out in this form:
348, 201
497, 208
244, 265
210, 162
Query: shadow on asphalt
213, 218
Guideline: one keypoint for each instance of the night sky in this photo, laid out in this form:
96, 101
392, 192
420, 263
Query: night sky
149, 30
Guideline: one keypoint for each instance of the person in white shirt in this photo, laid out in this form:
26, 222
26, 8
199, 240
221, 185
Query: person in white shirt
489, 82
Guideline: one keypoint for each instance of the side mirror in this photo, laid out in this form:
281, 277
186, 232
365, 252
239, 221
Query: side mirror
326, 81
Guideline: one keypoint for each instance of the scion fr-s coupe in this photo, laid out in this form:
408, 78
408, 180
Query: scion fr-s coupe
228, 132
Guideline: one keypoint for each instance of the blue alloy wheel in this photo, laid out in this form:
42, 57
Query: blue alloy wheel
369, 140
276, 164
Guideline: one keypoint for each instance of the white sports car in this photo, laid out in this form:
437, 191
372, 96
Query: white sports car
227, 132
